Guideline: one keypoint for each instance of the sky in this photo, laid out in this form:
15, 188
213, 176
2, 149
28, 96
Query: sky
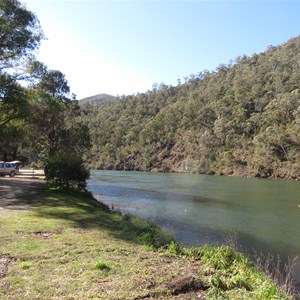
124, 47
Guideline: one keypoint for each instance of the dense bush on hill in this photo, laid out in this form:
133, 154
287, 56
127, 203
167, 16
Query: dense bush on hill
241, 119
95, 99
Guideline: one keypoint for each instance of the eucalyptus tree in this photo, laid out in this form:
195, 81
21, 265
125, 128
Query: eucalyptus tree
20, 36
13, 100
61, 138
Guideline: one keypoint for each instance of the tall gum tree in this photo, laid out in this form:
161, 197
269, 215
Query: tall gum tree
20, 33
20, 36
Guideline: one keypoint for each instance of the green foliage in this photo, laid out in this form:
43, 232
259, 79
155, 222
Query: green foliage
173, 249
95, 99
13, 100
13, 135
40, 120
62, 138
224, 258
229, 274
20, 32
20, 35
102, 266
241, 119
24, 265
66, 170
144, 232
53, 83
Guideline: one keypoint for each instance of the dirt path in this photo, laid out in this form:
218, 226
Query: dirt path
18, 193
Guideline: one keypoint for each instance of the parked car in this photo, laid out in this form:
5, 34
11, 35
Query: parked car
7, 168
16, 164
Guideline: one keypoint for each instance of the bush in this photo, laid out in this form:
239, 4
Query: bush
66, 170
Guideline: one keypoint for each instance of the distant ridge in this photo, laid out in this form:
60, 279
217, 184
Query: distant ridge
99, 98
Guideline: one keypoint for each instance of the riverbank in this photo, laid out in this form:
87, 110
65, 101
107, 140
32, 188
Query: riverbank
59, 244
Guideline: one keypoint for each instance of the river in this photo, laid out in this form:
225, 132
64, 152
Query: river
261, 215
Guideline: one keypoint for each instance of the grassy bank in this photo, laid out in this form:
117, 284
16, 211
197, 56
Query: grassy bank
68, 246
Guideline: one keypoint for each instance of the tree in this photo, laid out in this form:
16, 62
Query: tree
45, 104
20, 33
13, 100
62, 138
54, 83
46, 122
13, 137
55, 115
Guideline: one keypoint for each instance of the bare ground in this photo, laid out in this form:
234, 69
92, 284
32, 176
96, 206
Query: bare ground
18, 193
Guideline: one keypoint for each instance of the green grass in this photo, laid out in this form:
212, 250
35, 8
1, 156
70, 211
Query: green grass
24, 265
103, 266
232, 275
68, 246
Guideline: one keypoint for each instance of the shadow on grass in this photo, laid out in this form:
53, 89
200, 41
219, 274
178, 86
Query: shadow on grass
81, 210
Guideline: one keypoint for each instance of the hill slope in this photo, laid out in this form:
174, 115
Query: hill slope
99, 98
242, 119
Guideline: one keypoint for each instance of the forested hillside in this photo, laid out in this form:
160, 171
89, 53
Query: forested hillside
241, 119
95, 99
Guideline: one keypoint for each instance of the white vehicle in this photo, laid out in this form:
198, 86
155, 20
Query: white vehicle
7, 168
15, 164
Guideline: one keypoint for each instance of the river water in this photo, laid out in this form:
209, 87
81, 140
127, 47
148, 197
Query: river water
261, 215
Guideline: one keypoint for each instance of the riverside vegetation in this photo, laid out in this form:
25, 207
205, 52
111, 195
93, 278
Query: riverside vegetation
241, 119
68, 245
38, 113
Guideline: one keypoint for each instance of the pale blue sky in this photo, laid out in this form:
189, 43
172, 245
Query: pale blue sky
123, 47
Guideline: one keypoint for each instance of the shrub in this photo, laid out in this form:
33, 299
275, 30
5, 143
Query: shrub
173, 249
66, 170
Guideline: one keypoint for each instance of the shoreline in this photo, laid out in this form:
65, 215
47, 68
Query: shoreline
74, 233
238, 175
268, 258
